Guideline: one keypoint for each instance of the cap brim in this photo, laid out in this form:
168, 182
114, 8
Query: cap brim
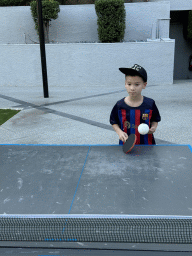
132, 72
129, 71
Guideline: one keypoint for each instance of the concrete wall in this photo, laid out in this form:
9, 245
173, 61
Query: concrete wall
177, 5
85, 64
140, 18
78, 23
71, 61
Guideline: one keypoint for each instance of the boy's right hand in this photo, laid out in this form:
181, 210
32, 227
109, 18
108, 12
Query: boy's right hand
123, 136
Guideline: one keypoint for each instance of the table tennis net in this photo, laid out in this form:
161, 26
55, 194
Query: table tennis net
96, 229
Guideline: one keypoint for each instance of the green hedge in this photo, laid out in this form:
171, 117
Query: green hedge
61, 2
27, 2
110, 20
14, 2
190, 25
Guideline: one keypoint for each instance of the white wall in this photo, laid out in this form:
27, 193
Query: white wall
178, 5
141, 16
90, 64
69, 62
78, 23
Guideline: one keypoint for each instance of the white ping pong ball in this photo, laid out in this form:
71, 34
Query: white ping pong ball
143, 129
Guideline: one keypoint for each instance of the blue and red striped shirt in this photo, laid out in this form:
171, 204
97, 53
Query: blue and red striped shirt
129, 118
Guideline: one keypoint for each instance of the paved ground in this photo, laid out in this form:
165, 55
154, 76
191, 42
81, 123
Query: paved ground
73, 115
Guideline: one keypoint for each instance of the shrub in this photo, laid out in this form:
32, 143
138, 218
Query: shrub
110, 20
190, 25
14, 2
50, 10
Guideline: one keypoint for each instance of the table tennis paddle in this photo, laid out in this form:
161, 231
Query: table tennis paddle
130, 143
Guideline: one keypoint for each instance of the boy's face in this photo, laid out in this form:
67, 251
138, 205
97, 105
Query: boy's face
134, 85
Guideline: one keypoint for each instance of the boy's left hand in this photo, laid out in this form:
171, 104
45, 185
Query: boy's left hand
153, 127
151, 130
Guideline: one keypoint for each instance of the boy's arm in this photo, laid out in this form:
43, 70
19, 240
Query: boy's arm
122, 135
153, 127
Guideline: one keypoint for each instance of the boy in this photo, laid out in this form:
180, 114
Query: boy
129, 112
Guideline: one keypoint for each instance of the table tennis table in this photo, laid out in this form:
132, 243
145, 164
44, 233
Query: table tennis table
95, 180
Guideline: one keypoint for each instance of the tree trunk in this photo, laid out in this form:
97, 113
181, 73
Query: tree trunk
46, 31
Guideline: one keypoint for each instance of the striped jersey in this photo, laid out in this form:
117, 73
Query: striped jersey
129, 118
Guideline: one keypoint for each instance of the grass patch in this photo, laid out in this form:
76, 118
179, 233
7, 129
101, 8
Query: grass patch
6, 114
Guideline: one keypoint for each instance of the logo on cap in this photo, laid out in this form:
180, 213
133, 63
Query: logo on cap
136, 67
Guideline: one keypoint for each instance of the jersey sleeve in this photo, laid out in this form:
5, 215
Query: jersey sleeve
114, 119
155, 114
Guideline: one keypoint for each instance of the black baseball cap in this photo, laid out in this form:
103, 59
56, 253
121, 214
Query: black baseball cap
136, 70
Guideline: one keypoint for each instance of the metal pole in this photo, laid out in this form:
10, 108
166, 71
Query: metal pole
42, 49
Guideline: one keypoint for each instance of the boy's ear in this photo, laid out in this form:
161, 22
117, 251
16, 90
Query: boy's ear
145, 84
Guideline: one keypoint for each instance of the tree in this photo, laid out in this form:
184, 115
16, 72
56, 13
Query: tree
50, 10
